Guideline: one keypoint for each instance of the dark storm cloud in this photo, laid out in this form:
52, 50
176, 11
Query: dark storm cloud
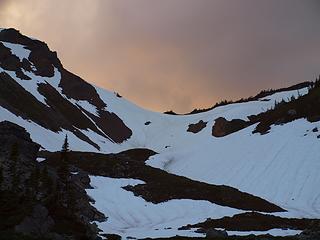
178, 54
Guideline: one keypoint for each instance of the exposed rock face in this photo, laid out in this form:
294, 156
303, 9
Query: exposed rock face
11, 62
223, 127
254, 221
78, 89
85, 211
14, 136
197, 127
309, 235
11, 133
111, 125
32, 195
213, 233
41, 56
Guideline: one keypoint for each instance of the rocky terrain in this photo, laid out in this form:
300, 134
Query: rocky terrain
35, 202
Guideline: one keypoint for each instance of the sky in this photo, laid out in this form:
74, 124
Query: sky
177, 54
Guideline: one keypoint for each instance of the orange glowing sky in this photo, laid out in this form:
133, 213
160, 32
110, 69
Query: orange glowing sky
177, 54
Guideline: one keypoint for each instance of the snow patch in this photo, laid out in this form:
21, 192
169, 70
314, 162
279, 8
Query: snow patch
18, 50
40, 159
86, 106
276, 232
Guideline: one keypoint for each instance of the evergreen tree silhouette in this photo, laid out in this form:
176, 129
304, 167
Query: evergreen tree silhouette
68, 195
63, 170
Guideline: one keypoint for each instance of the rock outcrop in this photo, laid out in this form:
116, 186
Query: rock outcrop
223, 127
33, 196
197, 127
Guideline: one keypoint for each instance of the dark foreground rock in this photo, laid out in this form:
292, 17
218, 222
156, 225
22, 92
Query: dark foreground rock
252, 221
34, 201
213, 233
223, 127
309, 235
197, 127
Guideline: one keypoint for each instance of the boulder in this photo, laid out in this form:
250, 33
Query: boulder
223, 127
197, 127
214, 233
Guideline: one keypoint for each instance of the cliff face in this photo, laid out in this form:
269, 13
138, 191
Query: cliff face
33, 197
17, 153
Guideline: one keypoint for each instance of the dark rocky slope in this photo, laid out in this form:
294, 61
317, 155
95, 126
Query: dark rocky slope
60, 113
34, 201
306, 106
253, 221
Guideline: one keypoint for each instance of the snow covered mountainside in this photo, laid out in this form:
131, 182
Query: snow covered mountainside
267, 147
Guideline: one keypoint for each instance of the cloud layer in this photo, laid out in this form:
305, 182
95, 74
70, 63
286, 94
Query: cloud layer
177, 54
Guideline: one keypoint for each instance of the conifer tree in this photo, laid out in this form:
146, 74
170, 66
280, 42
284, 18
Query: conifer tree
64, 174
63, 170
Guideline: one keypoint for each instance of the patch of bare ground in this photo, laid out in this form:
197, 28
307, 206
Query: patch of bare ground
197, 127
250, 237
253, 221
223, 127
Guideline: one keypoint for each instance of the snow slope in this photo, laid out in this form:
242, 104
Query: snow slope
171, 130
281, 166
